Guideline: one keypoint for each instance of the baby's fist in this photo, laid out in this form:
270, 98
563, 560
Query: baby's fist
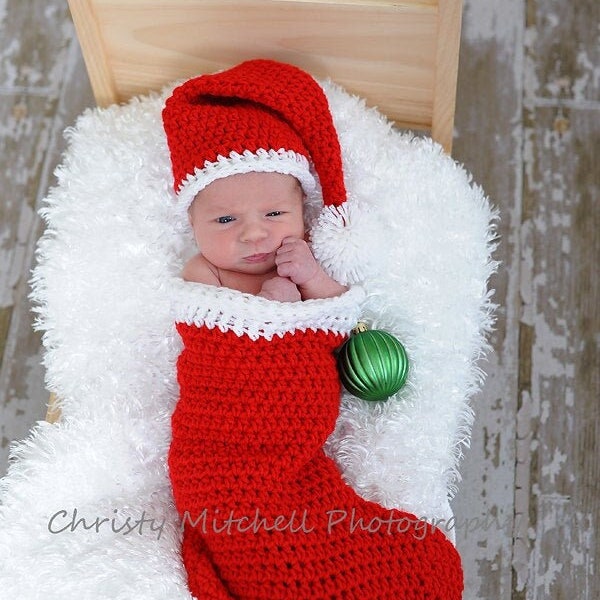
280, 289
295, 260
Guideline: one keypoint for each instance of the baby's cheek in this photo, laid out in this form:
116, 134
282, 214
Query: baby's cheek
298, 231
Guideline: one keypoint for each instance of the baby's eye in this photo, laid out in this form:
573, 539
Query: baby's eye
224, 220
275, 213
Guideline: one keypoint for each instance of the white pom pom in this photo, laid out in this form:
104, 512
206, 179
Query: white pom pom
343, 241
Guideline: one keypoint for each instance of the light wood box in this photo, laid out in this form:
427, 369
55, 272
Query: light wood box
402, 57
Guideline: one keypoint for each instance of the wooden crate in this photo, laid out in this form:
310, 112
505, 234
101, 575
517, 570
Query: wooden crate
400, 56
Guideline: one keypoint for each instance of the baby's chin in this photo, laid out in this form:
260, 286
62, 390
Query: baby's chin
255, 269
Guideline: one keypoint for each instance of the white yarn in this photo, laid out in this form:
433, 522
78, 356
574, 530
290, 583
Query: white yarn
415, 234
283, 161
245, 314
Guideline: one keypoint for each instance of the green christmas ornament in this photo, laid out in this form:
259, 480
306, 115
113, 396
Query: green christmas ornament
373, 364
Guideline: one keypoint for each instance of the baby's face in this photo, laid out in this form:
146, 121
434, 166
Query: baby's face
240, 221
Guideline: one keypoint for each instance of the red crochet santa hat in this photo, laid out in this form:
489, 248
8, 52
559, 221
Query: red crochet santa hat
261, 115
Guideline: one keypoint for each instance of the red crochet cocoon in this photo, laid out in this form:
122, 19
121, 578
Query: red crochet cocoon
266, 512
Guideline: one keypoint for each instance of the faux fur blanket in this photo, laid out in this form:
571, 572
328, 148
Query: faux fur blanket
86, 507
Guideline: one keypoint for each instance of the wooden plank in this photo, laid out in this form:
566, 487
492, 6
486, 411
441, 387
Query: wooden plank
558, 421
28, 123
565, 50
384, 51
94, 51
488, 141
43, 86
559, 413
32, 44
543, 442
446, 73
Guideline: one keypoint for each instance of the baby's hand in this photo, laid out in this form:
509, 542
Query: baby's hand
280, 289
295, 260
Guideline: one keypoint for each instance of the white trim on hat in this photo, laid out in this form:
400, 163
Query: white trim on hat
287, 162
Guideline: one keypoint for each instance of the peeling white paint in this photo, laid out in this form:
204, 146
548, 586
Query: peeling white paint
531, 84
588, 83
553, 469
546, 412
522, 533
548, 575
492, 21
552, 20
560, 219
559, 86
6, 281
549, 351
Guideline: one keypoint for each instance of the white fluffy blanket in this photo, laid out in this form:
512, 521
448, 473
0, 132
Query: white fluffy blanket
86, 508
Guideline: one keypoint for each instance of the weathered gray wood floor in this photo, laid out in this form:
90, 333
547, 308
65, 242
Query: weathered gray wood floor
528, 128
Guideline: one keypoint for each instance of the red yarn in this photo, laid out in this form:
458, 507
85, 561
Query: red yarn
258, 105
267, 514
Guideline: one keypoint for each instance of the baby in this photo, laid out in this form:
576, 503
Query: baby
250, 229
259, 392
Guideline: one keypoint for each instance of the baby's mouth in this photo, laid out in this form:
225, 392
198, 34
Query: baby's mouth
257, 258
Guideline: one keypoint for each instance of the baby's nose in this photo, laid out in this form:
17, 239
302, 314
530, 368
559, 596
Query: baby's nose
253, 232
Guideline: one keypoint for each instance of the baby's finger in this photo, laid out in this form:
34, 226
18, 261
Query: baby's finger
284, 249
288, 255
284, 255
290, 239
285, 269
287, 246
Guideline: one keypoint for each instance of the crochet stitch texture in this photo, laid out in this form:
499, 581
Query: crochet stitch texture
260, 115
266, 512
